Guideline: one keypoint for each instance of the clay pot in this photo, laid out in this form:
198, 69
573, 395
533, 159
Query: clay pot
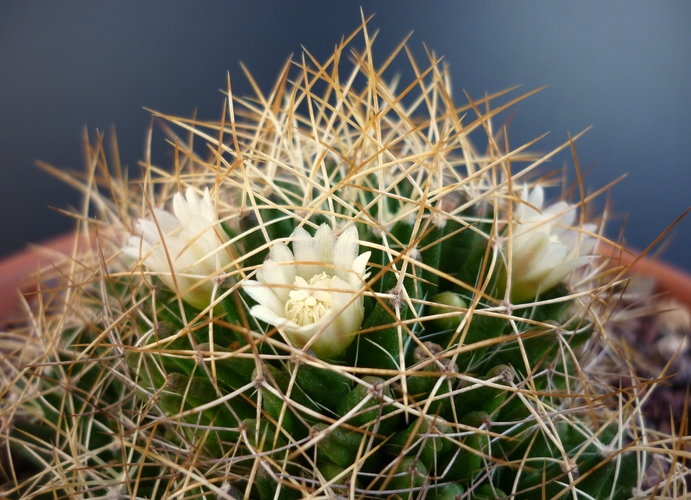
652, 325
17, 269
670, 280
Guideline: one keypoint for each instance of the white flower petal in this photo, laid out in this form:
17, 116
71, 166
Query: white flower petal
181, 208
359, 266
324, 244
303, 246
306, 254
545, 245
526, 246
149, 230
281, 253
537, 197
562, 270
556, 253
346, 303
562, 214
264, 295
136, 247
346, 251
301, 335
279, 275
329, 332
542, 266
207, 207
268, 316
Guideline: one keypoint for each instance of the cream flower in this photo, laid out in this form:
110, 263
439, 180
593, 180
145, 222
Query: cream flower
545, 245
193, 246
313, 290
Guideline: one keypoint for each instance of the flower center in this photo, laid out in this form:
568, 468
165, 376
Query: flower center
309, 300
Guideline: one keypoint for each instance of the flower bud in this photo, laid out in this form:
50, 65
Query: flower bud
450, 304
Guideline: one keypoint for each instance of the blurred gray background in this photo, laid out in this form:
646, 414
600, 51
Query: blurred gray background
622, 66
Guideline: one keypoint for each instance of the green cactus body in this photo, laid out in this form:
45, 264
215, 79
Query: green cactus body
326, 387
430, 253
439, 374
482, 327
465, 462
485, 397
332, 471
234, 372
421, 439
362, 340
368, 416
340, 446
278, 407
197, 391
382, 347
488, 492
537, 346
269, 488
450, 491
410, 476
463, 250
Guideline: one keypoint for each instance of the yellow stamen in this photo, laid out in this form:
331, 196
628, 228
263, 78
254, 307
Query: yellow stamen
309, 300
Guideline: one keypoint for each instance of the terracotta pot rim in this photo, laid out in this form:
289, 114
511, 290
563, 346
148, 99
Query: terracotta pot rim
16, 269
675, 281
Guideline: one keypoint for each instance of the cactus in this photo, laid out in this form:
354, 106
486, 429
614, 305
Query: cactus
362, 304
